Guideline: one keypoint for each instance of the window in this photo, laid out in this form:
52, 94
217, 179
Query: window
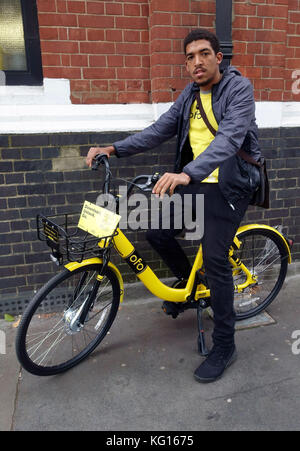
20, 54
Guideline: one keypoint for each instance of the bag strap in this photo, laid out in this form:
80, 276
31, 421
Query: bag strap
241, 153
245, 156
203, 114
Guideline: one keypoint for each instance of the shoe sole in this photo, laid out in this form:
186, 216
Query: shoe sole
213, 379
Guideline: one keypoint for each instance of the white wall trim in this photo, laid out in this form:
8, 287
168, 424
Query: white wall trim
47, 109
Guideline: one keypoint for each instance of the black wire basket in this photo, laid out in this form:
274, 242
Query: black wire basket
67, 241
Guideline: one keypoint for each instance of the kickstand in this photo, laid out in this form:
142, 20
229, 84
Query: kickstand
202, 349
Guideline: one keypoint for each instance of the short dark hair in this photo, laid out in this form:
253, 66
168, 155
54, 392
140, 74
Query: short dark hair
201, 33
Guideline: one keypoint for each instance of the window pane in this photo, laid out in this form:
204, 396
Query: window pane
12, 44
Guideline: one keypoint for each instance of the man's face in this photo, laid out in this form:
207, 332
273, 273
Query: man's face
202, 63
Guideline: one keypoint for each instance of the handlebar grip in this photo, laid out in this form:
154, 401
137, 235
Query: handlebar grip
101, 158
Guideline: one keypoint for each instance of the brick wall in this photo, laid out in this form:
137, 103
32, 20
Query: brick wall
47, 174
131, 51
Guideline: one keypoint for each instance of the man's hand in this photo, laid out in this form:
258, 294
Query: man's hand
169, 181
96, 151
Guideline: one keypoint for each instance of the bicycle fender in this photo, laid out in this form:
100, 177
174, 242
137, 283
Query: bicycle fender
92, 261
266, 227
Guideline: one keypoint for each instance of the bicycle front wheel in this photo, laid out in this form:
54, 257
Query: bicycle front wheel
265, 255
50, 339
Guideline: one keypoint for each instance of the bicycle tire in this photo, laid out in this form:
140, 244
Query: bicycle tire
269, 264
49, 304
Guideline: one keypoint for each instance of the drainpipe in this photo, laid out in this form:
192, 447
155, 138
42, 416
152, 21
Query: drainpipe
224, 29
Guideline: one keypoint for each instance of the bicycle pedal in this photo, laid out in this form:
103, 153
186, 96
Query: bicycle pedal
171, 309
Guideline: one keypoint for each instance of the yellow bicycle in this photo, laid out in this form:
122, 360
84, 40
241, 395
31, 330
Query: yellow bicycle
71, 314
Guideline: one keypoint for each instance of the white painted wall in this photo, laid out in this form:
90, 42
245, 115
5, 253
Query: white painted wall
48, 109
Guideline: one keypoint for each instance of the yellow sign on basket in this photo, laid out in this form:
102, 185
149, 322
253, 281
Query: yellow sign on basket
97, 220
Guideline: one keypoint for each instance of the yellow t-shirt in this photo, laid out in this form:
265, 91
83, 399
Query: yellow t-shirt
199, 135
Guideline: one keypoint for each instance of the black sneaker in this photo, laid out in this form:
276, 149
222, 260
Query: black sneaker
215, 364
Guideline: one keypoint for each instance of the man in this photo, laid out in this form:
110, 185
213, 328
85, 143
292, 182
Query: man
209, 165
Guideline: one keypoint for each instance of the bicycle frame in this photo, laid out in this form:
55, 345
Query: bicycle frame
146, 275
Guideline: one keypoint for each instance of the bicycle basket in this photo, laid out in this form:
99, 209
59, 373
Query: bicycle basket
67, 241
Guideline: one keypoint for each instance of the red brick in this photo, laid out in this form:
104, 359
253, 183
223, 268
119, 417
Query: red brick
244, 60
252, 72
132, 36
169, 32
61, 6
77, 34
294, 41
66, 20
161, 45
66, 60
80, 85
97, 61
99, 85
52, 72
269, 60
160, 19
51, 60
95, 21
132, 73
115, 61
59, 47
280, 24
272, 11
132, 10
170, 5
255, 22
132, 23
245, 9
114, 35
270, 36
253, 47
46, 6
76, 7
70, 72
95, 7
93, 73
134, 85
102, 98
48, 33
133, 61
95, 35
133, 97
79, 60
62, 34
189, 19
116, 85
294, 17
113, 9
97, 47
203, 7
243, 35
132, 49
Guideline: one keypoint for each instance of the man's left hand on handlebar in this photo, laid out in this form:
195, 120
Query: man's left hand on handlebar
94, 151
169, 181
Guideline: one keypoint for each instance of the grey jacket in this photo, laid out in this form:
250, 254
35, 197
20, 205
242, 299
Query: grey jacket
234, 109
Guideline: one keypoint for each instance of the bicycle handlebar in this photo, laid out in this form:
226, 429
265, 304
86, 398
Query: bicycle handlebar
146, 186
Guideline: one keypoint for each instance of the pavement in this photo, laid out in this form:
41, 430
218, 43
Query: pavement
141, 377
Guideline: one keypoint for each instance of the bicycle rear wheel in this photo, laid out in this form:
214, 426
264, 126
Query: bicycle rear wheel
265, 255
50, 339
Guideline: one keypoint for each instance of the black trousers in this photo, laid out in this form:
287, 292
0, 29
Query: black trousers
220, 225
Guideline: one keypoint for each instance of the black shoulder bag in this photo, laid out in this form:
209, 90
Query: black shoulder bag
261, 196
